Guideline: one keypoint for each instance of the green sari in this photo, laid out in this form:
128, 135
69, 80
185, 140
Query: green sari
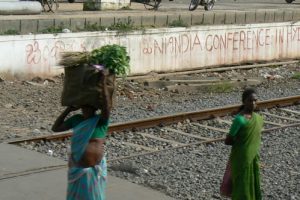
245, 157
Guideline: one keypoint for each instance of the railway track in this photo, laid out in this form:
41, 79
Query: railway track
166, 133
170, 119
164, 124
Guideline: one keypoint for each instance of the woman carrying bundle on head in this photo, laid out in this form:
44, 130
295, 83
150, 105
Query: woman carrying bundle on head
242, 173
87, 164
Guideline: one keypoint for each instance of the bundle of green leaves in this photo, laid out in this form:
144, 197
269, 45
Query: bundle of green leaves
113, 57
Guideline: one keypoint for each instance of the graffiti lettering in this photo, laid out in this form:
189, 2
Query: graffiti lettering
33, 53
244, 40
59, 46
196, 42
147, 50
208, 43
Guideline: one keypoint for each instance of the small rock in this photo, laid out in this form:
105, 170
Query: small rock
37, 79
36, 131
50, 152
65, 30
150, 108
175, 91
50, 80
8, 105
46, 82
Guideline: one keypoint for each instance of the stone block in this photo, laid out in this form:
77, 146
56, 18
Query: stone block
45, 24
77, 24
278, 16
135, 20
10, 26
186, 19
107, 21
208, 18
121, 20
63, 23
29, 26
296, 15
93, 21
230, 18
219, 18
160, 20
240, 17
197, 19
260, 16
148, 21
250, 17
172, 19
270, 16
288, 15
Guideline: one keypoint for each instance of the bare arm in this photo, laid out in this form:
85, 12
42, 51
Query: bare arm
105, 112
59, 125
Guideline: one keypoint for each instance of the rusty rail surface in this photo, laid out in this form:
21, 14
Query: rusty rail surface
169, 119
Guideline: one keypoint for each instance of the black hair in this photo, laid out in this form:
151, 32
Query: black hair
247, 92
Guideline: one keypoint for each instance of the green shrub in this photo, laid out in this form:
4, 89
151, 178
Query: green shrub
178, 23
52, 29
93, 27
113, 57
121, 26
11, 32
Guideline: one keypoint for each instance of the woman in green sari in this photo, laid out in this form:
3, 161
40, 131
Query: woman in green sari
245, 138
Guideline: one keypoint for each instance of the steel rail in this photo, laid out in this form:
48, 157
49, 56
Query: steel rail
170, 119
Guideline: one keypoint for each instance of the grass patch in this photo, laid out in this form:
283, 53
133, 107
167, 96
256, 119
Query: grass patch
94, 27
10, 32
178, 23
221, 87
52, 29
296, 76
121, 26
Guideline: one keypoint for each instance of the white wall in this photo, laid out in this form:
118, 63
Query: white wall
159, 50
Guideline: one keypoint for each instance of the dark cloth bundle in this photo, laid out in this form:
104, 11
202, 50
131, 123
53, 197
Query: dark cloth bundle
82, 86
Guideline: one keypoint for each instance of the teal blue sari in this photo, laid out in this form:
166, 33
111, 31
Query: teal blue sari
85, 183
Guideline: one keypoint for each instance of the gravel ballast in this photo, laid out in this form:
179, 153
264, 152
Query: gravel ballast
30, 108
